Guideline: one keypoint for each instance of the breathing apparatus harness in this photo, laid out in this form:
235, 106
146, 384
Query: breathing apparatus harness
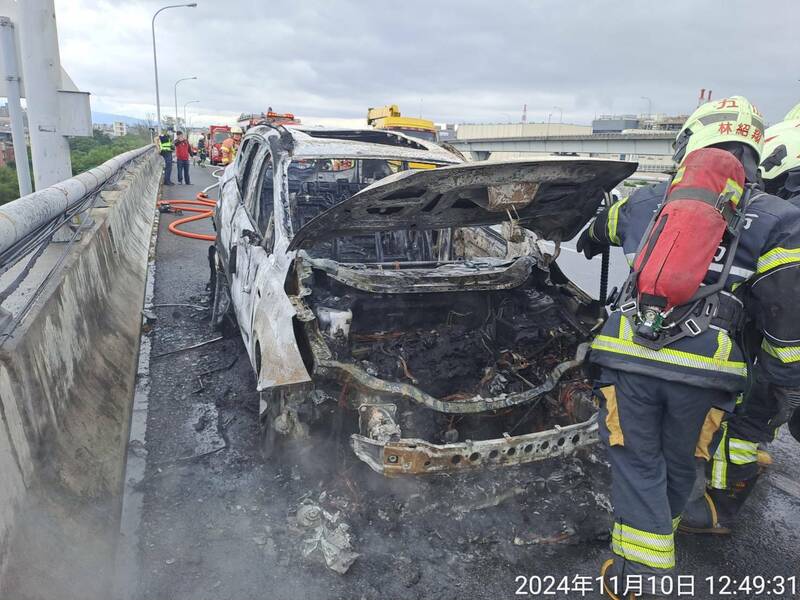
655, 323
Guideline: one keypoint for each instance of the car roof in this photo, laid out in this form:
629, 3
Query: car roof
320, 142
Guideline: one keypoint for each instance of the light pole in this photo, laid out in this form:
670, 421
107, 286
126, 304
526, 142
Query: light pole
649, 106
155, 59
560, 114
176, 98
184, 112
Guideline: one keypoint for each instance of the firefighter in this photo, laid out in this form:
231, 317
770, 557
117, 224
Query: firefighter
793, 114
734, 467
165, 147
654, 402
231, 145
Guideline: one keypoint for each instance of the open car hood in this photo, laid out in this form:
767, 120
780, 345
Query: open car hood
552, 196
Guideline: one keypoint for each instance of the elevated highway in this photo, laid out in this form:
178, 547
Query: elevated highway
624, 146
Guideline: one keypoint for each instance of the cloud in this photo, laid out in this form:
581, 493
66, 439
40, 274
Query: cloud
459, 60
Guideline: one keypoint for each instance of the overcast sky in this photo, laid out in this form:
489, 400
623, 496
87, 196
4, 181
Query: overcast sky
456, 61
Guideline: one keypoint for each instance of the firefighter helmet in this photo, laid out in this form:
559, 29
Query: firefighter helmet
236, 129
731, 119
793, 114
781, 150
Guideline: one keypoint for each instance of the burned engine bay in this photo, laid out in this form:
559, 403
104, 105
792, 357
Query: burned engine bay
450, 380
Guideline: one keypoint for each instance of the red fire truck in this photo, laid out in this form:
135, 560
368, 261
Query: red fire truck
216, 135
268, 118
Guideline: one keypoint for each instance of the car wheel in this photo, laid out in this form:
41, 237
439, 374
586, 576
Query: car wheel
222, 316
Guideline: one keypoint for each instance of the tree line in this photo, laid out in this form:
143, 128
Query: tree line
85, 152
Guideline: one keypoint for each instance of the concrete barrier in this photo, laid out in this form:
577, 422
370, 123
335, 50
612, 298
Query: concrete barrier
67, 375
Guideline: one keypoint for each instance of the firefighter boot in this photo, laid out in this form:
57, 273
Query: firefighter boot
716, 512
614, 590
611, 587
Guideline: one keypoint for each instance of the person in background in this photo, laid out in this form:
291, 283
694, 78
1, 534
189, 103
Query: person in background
183, 153
166, 147
201, 150
774, 394
231, 145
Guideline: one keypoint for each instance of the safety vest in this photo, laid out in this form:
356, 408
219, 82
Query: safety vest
712, 358
166, 146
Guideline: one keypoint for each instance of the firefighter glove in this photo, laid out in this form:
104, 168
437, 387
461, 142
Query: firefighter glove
588, 245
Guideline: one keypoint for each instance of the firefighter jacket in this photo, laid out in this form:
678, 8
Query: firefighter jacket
764, 278
228, 149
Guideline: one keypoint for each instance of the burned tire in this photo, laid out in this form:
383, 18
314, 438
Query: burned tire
269, 440
222, 316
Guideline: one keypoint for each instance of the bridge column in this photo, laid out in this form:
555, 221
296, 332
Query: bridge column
41, 75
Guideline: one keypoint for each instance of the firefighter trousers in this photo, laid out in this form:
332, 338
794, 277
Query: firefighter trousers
650, 427
734, 449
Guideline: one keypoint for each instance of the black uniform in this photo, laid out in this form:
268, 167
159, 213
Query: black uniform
757, 419
654, 402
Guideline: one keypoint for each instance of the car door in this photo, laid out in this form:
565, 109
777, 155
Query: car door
243, 236
252, 255
274, 350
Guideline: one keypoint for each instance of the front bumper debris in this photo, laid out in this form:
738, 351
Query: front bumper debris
417, 457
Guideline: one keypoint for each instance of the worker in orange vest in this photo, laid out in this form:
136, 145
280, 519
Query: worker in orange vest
231, 145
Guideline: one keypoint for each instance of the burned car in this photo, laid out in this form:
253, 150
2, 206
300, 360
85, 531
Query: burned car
369, 279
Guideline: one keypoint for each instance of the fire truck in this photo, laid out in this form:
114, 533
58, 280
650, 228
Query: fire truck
268, 118
216, 135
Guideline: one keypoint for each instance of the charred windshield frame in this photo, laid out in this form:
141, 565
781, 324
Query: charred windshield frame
317, 184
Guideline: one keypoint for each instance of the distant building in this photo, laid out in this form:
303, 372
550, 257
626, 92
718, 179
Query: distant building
664, 122
446, 133
115, 129
615, 123
6, 153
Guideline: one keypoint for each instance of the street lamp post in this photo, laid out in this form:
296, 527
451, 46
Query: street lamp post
560, 114
176, 99
155, 59
184, 111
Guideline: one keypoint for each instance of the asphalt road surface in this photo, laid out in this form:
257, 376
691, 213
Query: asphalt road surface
217, 521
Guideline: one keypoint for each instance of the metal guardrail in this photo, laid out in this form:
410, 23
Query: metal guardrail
25, 216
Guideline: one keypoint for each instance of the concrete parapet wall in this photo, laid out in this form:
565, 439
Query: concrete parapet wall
66, 383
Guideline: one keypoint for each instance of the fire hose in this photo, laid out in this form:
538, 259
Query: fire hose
202, 206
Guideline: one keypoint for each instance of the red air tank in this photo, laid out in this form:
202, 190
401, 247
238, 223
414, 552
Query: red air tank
684, 239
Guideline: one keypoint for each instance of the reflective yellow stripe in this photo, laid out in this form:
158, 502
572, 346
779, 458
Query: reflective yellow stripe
742, 452
667, 355
719, 466
734, 191
625, 329
660, 542
644, 557
724, 346
787, 354
613, 221
777, 257
675, 522
652, 549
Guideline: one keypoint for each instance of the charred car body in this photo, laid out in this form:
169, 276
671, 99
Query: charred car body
367, 276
